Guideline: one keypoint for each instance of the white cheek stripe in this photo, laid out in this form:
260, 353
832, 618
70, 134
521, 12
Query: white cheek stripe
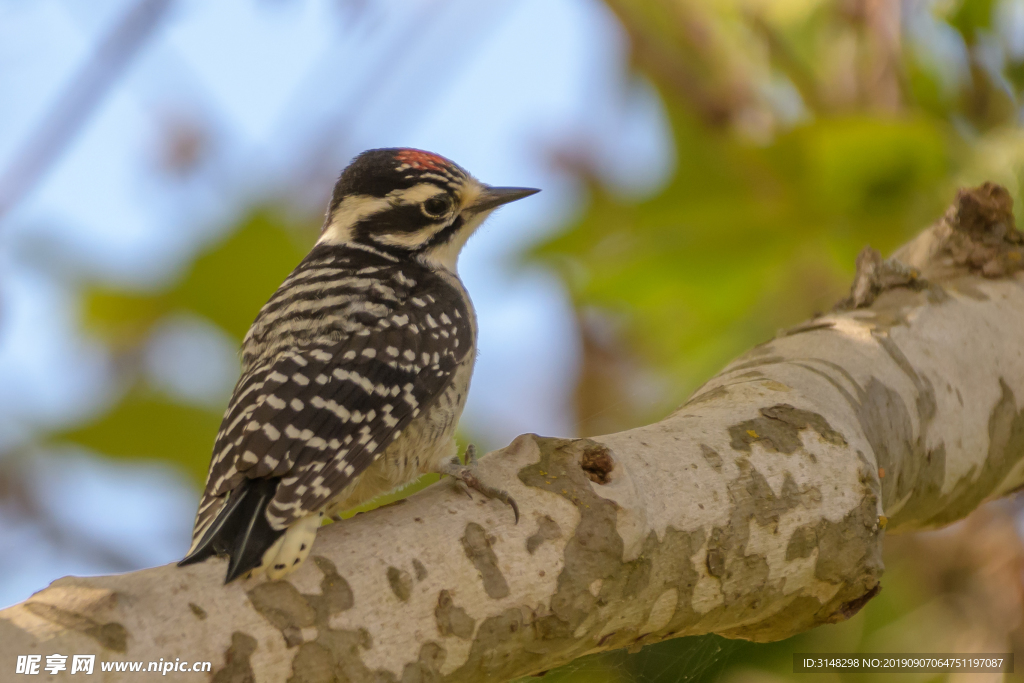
409, 239
415, 194
348, 214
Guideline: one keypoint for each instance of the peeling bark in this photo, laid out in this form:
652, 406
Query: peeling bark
756, 510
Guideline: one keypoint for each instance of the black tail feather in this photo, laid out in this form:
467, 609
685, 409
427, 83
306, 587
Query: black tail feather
222, 527
241, 529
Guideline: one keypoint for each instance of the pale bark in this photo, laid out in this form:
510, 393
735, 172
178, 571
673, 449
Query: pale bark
754, 511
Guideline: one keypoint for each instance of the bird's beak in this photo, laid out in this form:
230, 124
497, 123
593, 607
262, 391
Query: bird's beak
493, 197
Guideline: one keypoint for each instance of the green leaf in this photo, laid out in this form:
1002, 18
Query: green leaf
146, 425
868, 167
121, 319
971, 17
227, 283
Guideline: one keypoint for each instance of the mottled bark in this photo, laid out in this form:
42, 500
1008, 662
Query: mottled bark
754, 511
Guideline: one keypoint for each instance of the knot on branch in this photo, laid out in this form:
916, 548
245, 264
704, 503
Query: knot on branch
976, 234
985, 213
983, 236
598, 463
874, 276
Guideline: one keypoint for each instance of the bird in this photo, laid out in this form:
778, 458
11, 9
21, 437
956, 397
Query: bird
356, 370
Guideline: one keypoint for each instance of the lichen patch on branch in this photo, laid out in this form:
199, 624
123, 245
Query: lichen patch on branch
478, 549
1005, 454
111, 635
295, 615
779, 428
547, 529
400, 582
238, 665
451, 619
591, 606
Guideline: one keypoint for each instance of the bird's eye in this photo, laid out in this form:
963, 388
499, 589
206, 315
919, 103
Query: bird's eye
435, 207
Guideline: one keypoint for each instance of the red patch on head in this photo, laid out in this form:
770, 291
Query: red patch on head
420, 160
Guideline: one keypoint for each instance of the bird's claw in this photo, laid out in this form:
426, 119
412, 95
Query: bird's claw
468, 478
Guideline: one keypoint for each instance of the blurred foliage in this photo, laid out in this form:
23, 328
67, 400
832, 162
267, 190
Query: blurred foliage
146, 424
220, 285
802, 132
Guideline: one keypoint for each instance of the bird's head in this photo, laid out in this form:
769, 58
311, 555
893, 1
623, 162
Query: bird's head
411, 202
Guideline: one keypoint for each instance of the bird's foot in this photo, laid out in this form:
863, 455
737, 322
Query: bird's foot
467, 475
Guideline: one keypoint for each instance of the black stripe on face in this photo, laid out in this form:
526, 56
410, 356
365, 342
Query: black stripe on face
396, 220
400, 223
446, 234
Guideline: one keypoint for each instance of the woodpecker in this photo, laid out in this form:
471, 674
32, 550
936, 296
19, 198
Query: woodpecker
355, 372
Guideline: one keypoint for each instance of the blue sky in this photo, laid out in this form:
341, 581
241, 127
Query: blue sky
287, 91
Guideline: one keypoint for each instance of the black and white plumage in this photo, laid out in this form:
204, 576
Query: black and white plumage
356, 370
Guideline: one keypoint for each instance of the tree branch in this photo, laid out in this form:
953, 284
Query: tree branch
754, 511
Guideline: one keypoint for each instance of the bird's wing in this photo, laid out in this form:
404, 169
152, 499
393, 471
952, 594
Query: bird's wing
318, 415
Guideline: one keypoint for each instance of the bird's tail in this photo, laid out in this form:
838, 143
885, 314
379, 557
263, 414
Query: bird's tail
240, 530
